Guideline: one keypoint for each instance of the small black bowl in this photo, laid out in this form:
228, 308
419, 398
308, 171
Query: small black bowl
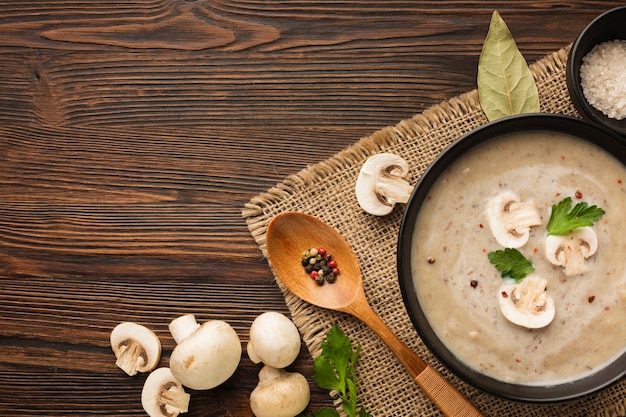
544, 394
608, 26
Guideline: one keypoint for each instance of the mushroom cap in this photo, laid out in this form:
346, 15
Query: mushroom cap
380, 184
528, 303
163, 396
274, 340
279, 393
207, 357
137, 348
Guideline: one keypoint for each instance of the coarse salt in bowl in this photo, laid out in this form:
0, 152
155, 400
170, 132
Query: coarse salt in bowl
596, 70
603, 78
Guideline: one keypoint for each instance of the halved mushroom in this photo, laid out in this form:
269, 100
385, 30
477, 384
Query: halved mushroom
136, 348
528, 303
570, 251
381, 184
163, 395
206, 355
510, 219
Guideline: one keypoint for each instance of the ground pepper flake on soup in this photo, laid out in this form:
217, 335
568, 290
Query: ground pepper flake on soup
459, 292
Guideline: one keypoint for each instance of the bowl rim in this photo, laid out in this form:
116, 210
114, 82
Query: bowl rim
572, 71
536, 394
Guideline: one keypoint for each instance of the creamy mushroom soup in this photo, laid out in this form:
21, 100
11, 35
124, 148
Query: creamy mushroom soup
458, 287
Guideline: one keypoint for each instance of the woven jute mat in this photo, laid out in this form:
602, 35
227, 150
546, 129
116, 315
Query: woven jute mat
326, 190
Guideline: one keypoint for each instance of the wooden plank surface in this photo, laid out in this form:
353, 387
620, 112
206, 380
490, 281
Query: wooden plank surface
132, 134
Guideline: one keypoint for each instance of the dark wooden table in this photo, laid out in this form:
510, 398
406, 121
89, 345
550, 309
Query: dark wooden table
133, 133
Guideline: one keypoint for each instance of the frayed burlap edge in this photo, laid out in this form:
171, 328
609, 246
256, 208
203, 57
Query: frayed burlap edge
385, 388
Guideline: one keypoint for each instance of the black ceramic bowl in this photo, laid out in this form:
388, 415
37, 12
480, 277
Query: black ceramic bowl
543, 394
608, 26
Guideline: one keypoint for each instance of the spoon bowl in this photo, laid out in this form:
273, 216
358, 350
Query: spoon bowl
288, 236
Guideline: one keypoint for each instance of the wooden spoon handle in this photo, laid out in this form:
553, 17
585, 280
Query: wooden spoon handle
447, 398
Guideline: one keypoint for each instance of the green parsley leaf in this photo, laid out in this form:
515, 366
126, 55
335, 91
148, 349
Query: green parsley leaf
325, 412
325, 375
363, 413
335, 369
332, 365
563, 220
511, 263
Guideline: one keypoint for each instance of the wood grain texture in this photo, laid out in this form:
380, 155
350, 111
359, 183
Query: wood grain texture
132, 134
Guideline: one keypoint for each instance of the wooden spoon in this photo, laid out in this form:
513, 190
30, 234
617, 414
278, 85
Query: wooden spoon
288, 236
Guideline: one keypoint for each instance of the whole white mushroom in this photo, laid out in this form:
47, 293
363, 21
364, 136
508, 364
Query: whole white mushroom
206, 355
274, 340
279, 393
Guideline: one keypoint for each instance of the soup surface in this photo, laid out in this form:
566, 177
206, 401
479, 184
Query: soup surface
458, 287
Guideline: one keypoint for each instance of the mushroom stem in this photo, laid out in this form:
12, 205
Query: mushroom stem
131, 357
174, 399
182, 327
394, 189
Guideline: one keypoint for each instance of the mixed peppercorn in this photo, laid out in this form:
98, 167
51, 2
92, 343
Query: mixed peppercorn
320, 265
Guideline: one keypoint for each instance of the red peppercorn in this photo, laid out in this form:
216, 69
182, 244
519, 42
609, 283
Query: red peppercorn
336, 271
321, 251
332, 264
578, 194
314, 274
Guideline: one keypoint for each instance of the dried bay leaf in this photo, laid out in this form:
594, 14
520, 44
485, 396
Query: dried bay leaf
505, 84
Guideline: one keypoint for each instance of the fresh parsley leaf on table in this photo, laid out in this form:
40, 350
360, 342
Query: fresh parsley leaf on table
335, 369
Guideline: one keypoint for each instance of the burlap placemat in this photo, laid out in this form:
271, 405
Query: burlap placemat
326, 190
